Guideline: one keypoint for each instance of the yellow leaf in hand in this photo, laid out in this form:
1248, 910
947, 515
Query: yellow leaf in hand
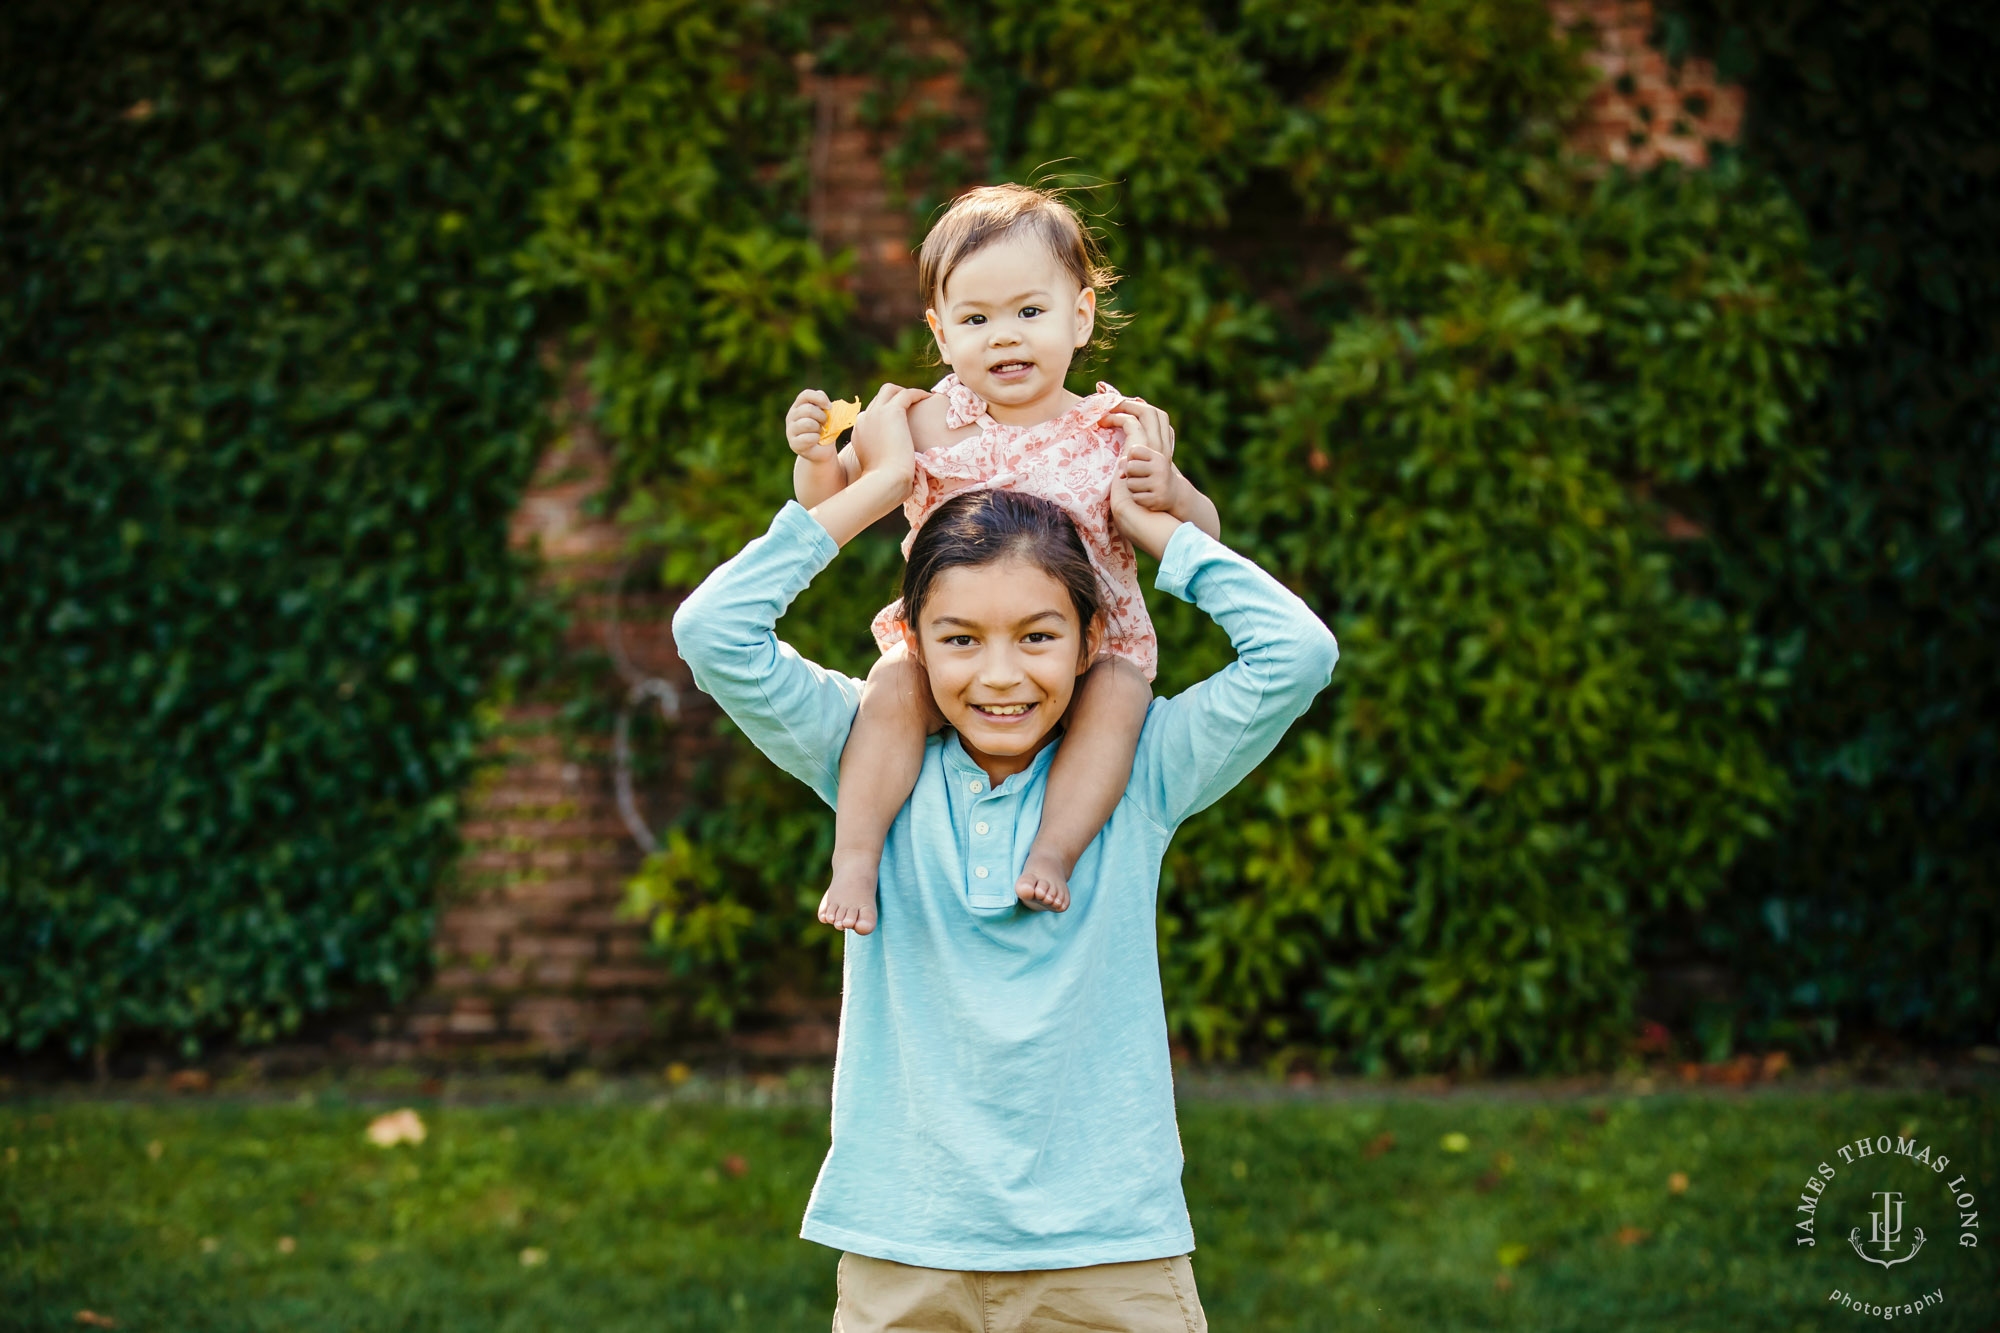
840, 414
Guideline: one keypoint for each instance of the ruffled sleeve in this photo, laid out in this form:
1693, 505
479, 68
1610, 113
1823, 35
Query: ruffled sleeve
962, 407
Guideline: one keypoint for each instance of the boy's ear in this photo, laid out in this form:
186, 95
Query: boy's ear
1093, 643
1086, 314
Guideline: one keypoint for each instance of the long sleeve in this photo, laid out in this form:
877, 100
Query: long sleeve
1204, 740
794, 710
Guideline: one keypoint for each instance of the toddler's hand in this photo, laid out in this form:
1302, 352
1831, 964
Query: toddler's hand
1150, 478
1148, 470
803, 423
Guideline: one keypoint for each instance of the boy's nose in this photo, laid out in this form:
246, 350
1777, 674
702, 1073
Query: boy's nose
999, 670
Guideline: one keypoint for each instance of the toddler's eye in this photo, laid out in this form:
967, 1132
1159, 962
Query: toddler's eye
1031, 310
975, 319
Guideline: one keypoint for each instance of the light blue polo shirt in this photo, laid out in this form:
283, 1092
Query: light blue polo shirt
1002, 1096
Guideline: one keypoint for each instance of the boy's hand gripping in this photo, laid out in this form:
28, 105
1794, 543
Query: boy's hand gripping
882, 441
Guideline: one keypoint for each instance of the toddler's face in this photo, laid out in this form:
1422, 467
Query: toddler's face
1005, 636
1008, 320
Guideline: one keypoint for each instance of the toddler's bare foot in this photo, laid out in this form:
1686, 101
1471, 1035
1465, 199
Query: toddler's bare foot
1043, 886
849, 901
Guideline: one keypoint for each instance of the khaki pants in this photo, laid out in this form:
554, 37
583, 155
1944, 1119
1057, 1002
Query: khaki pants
1144, 1296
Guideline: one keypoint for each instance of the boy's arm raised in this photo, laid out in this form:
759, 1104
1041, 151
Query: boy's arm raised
794, 710
1206, 739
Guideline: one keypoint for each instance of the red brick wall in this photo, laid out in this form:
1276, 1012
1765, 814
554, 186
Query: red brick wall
1644, 112
853, 204
532, 955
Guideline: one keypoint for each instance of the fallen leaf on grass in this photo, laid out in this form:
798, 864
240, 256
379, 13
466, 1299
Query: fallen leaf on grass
1632, 1235
188, 1080
403, 1126
1378, 1145
534, 1256
734, 1164
286, 1245
95, 1320
154, 1149
1678, 1182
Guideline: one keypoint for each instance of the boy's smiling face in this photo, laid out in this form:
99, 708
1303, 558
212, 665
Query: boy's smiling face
1008, 319
1003, 650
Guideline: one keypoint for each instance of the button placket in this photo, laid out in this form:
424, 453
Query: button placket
980, 893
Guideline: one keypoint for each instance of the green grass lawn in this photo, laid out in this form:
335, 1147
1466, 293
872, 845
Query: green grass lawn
1670, 1211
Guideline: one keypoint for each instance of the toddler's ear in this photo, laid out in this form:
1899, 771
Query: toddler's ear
937, 332
1086, 314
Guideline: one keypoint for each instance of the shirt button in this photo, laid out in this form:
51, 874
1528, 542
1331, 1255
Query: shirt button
980, 827
978, 787
981, 872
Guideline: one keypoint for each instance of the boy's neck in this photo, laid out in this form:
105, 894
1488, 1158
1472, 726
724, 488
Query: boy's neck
998, 768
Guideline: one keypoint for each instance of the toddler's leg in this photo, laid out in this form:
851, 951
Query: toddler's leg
1087, 778
878, 770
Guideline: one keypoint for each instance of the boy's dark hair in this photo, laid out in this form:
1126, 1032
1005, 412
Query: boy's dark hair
989, 213
989, 524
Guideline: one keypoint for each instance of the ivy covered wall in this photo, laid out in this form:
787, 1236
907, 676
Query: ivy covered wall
1876, 905
271, 395
268, 395
1437, 373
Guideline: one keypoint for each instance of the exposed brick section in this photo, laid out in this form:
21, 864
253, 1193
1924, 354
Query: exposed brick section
852, 203
1645, 111
532, 953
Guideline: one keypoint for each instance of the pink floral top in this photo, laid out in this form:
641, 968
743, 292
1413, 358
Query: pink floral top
1070, 460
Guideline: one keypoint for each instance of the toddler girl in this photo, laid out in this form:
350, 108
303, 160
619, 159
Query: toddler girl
1010, 278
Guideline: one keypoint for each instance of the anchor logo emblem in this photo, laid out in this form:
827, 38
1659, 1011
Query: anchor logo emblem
1886, 1230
